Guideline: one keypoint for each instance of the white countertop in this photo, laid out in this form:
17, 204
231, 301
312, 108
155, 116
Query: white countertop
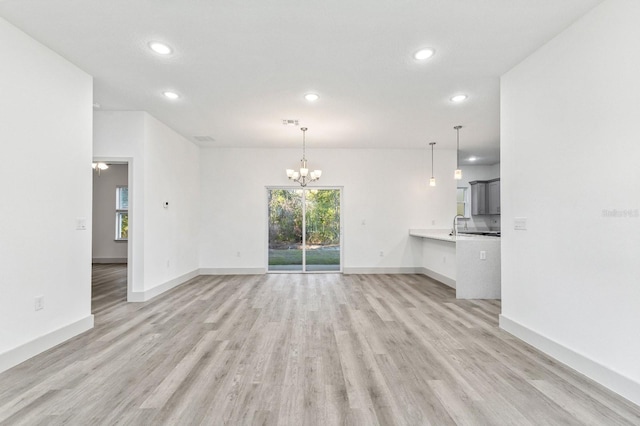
443, 235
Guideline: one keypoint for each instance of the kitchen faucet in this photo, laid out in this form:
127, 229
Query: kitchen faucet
454, 231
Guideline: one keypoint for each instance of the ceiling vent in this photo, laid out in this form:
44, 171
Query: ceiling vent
204, 138
290, 122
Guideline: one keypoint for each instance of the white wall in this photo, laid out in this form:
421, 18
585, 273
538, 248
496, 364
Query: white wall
45, 147
439, 260
571, 282
469, 174
105, 248
170, 235
386, 189
163, 166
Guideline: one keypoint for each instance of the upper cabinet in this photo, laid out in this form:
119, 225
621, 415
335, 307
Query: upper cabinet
478, 197
493, 196
485, 197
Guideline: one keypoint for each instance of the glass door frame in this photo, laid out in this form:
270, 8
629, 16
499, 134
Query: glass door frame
304, 229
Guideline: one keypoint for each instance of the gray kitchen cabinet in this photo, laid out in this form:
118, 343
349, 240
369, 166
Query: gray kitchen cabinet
485, 197
478, 197
493, 196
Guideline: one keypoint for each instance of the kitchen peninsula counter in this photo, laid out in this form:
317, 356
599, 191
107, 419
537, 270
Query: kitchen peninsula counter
468, 263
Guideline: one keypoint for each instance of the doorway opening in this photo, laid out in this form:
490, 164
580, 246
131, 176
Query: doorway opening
305, 230
111, 254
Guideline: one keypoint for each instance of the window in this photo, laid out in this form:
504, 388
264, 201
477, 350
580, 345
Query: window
461, 198
122, 213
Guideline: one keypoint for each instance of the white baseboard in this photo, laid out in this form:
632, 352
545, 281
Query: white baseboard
607, 377
109, 260
233, 271
143, 296
438, 277
380, 270
38, 345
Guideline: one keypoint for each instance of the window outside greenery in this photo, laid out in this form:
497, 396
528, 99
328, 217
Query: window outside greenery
322, 233
122, 213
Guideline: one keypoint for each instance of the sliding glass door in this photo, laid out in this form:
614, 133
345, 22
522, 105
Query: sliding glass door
304, 229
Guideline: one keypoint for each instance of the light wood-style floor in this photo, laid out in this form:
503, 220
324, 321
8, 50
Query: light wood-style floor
299, 350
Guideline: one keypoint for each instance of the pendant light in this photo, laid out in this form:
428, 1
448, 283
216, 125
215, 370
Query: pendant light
458, 173
432, 181
303, 176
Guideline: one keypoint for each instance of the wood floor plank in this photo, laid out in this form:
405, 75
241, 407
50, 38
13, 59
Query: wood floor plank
293, 349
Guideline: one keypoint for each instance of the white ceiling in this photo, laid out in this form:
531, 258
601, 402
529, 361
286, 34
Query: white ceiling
243, 66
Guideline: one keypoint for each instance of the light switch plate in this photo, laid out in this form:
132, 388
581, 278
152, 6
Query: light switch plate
520, 223
81, 223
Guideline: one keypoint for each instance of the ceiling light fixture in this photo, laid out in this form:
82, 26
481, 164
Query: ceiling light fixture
459, 98
458, 173
424, 54
98, 167
171, 95
303, 176
311, 97
160, 48
473, 158
432, 181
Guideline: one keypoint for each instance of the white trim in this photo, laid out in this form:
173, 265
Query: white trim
602, 374
233, 271
40, 344
385, 270
144, 296
109, 260
437, 276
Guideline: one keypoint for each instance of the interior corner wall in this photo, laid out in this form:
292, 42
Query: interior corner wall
570, 160
385, 193
104, 247
45, 146
163, 242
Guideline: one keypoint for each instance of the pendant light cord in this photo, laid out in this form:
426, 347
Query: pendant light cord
457, 148
432, 144
304, 144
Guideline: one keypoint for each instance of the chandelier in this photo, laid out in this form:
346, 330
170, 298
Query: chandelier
303, 176
98, 167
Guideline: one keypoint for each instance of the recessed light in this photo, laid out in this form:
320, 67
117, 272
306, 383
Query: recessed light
423, 54
160, 48
458, 98
311, 97
473, 158
171, 95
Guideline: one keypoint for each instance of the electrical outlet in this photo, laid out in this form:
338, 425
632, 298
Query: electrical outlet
38, 303
483, 255
238, 254
381, 253
444, 259
433, 222
168, 263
